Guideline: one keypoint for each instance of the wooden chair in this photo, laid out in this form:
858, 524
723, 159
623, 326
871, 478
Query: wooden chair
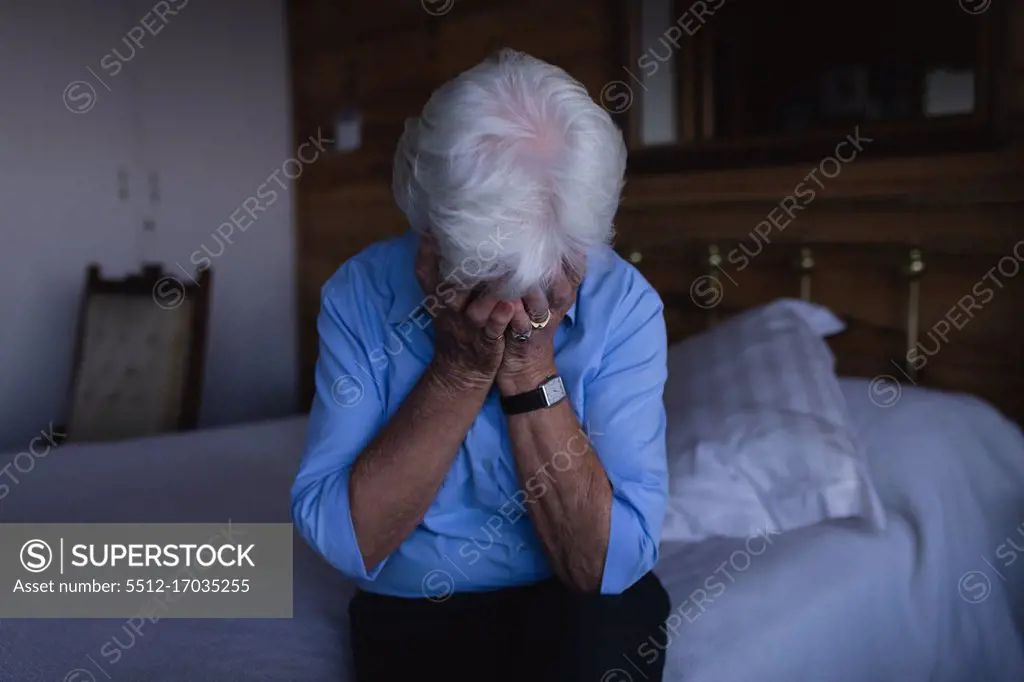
138, 365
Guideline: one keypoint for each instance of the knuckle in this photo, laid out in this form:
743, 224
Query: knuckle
475, 318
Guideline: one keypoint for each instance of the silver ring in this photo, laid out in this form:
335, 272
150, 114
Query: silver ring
543, 323
521, 337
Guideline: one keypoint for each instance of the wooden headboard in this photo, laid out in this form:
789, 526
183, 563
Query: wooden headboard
949, 320
964, 210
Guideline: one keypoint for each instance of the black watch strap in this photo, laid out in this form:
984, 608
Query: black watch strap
550, 392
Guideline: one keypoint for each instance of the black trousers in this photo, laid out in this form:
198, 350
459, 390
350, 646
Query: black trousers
536, 633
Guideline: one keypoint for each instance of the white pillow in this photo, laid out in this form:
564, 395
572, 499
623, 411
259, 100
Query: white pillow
758, 435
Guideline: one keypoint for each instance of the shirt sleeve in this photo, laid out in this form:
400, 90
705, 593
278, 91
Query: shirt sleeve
346, 414
625, 417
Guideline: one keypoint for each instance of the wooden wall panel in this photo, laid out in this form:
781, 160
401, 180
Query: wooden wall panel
967, 177
385, 58
966, 226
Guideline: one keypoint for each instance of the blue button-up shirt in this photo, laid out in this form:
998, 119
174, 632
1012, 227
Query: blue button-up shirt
375, 342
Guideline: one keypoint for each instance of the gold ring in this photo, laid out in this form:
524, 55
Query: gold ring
543, 323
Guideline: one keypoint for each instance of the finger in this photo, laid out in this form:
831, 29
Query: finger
563, 290
574, 271
536, 304
457, 299
496, 324
479, 309
519, 324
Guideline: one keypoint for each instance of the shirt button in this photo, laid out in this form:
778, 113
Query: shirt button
489, 467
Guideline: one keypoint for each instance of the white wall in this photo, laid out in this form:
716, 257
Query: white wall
205, 105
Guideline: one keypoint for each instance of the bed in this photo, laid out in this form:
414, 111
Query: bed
932, 598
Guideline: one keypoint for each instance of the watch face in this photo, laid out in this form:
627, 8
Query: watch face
554, 391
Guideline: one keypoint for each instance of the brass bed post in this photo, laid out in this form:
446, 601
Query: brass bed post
714, 263
913, 271
806, 266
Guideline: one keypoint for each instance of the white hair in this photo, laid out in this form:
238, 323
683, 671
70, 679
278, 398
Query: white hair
514, 170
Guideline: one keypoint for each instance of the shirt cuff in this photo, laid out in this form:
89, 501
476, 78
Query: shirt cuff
631, 551
323, 514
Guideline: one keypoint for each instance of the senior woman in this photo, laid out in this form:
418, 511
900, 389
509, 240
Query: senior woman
486, 454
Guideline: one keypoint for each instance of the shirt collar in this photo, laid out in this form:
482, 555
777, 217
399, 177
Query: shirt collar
409, 297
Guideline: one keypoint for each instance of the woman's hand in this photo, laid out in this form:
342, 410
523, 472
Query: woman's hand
469, 330
529, 355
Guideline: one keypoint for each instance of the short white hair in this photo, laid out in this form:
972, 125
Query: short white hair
514, 170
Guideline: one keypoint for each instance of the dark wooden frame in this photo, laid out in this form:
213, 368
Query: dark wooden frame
145, 284
867, 349
984, 130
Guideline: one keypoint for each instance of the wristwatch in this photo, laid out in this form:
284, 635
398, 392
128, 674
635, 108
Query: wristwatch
550, 392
